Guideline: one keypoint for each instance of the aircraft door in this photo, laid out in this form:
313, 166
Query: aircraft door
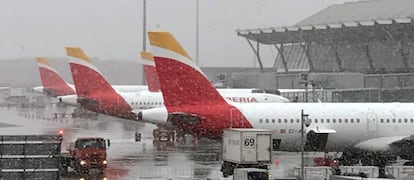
372, 122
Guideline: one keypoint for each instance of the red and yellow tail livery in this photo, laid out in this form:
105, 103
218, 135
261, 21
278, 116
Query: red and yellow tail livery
150, 72
92, 88
188, 93
52, 82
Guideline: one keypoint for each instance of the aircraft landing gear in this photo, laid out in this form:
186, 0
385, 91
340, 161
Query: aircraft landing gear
163, 138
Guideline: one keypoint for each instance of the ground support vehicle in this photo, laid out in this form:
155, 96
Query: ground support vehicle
164, 138
85, 154
246, 148
328, 161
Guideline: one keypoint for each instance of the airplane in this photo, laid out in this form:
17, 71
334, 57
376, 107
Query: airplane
96, 94
150, 72
152, 79
383, 127
54, 85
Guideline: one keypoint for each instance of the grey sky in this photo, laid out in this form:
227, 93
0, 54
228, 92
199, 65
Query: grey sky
111, 29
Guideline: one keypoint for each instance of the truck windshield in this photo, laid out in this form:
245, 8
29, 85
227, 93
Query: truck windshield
90, 143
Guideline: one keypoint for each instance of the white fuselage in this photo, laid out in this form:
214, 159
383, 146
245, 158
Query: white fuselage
346, 123
123, 88
147, 100
119, 88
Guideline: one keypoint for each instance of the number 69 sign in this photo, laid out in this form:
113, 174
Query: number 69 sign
249, 142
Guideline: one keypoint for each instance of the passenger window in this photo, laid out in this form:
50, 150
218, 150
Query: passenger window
411, 120
261, 120
327, 120
399, 120
382, 120
297, 121
267, 120
333, 120
393, 120
357, 121
286, 121
352, 120
273, 121
316, 120
388, 120
291, 120
339, 120
405, 120
321, 120
279, 120
346, 120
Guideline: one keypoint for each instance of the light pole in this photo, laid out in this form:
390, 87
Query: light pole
197, 33
144, 25
304, 80
144, 35
304, 122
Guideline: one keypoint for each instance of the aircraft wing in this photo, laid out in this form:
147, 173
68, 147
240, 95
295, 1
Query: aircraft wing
176, 117
88, 103
161, 116
386, 143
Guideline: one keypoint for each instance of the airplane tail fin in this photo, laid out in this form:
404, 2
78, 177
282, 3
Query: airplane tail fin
86, 76
150, 72
189, 86
92, 88
192, 103
53, 83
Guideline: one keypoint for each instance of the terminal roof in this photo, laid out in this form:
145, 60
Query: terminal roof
365, 17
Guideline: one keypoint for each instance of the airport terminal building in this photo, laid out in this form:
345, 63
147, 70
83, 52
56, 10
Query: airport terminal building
354, 55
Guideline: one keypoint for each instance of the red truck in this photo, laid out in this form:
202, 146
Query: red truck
84, 154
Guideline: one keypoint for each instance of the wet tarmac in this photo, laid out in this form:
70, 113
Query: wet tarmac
128, 159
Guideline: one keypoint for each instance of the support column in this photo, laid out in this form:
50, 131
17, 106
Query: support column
338, 60
404, 56
305, 47
256, 51
368, 55
282, 56
400, 49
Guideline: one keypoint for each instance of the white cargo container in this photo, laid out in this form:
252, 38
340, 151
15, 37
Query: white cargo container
401, 172
314, 172
251, 174
370, 171
246, 148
